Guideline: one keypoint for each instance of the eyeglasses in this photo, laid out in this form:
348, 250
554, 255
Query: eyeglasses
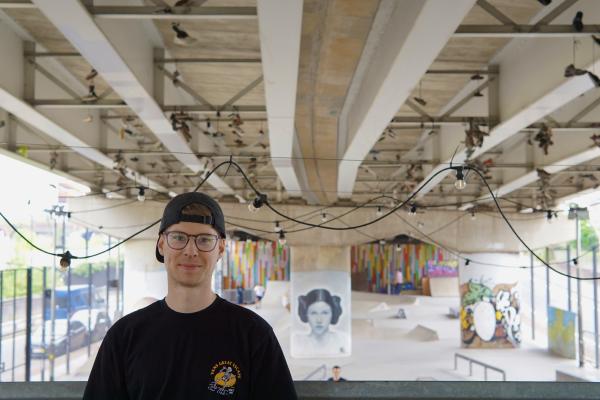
204, 241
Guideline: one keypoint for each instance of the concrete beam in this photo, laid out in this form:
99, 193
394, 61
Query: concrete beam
553, 99
13, 88
415, 33
280, 25
79, 27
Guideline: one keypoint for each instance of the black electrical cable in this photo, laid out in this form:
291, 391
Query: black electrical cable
521, 240
393, 210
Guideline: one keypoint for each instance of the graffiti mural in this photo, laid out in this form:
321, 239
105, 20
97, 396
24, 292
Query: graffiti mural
489, 317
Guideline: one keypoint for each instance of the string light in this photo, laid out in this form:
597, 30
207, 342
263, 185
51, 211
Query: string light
257, 203
379, 212
65, 261
413, 210
324, 217
141, 194
277, 227
282, 241
467, 262
460, 183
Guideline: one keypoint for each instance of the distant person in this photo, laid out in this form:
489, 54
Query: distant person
259, 291
335, 374
320, 310
192, 344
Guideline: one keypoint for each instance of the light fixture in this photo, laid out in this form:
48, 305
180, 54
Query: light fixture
460, 179
65, 261
398, 247
578, 21
545, 2
182, 38
467, 262
473, 217
476, 77
575, 262
282, 241
419, 99
549, 216
413, 210
324, 217
277, 227
382, 242
257, 203
379, 212
141, 194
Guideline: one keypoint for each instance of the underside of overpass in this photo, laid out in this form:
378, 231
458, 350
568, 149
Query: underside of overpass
353, 115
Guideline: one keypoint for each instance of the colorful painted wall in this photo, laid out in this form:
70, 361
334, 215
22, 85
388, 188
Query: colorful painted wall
248, 263
406, 266
561, 332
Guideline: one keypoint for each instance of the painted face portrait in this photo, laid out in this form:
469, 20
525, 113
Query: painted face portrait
319, 317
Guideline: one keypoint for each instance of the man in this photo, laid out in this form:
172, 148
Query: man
335, 372
192, 344
259, 291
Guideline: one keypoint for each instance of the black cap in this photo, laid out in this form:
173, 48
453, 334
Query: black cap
172, 214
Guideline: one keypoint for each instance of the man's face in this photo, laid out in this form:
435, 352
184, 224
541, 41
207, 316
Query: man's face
189, 266
336, 373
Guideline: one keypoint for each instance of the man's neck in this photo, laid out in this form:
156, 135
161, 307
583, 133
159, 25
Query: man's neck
188, 300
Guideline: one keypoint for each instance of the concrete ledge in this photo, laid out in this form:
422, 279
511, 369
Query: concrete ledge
420, 390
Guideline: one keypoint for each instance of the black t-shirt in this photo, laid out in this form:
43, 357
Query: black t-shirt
223, 352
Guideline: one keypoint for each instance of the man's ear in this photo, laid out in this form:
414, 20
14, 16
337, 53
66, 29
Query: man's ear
160, 244
221, 247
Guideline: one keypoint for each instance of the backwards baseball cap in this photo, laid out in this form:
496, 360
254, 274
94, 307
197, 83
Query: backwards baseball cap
173, 214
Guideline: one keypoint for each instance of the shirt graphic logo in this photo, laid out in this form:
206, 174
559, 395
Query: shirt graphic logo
224, 375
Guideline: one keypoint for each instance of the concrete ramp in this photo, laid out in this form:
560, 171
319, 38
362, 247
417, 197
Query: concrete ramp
380, 307
444, 287
274, 293
389, 299
423, 334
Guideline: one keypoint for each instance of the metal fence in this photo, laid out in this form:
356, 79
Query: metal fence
52, 322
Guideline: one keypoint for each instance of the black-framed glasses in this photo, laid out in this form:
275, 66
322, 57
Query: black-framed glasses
204, 241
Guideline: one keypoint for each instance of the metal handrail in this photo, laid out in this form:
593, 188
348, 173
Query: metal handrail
484, 365
322, 367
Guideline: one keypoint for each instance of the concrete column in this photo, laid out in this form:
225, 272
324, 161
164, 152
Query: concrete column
321, 301
145, 278
490, 301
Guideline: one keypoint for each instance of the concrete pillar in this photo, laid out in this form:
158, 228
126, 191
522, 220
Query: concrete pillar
145, 278
490, 301
321, 302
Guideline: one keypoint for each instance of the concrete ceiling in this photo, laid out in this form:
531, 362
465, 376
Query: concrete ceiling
339, 42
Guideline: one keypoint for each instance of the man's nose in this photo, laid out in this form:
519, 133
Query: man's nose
191, 249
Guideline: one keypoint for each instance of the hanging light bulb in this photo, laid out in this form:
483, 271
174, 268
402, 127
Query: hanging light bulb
473, 217
379, 212
277, 227
382, 242
257, 203
141, 194
398, 247
549, 216
282, 241
324, 217
460, 179
65, 261
413, 210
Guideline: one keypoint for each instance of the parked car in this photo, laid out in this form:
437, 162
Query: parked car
41, 338
99, 322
